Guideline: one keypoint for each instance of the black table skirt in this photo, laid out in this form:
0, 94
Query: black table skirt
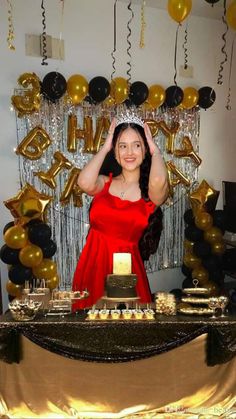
117, 341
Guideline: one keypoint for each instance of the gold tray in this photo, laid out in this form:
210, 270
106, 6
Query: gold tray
195, 300
196, 311
196, 291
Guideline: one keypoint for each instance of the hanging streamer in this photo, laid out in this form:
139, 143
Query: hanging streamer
143, 25
11, 36
44, 35
223, 49
185, 47
228, 105
128, 41
114, 42
175, 54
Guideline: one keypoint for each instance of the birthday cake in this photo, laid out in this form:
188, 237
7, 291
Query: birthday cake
121, 286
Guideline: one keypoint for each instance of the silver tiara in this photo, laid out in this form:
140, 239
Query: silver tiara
129, 118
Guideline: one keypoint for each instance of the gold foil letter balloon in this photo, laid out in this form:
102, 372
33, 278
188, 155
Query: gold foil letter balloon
34, 144
29, 101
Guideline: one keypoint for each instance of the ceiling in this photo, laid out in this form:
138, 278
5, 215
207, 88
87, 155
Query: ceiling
199, 7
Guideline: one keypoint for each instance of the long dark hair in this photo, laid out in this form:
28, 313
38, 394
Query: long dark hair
149, 241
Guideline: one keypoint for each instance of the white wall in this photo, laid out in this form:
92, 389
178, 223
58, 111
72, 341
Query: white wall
88, 35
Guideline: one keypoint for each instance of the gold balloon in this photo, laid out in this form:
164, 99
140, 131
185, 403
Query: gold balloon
188, 151
31, 255
72, 189
191, 261
77, 88
53, 282
231, 15
34, 144
204, 197
119, 89
188, 246
14, 290
109, 101
76, 133
16, 237
29, 101
179, 9
212, 288
218, 248
203, 220
61, 162
21, 205
190, 98
31, 207
201, 274
175, 177
45, 270
213, 235
156, 95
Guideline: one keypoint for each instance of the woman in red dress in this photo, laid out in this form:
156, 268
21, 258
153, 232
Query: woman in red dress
125, 213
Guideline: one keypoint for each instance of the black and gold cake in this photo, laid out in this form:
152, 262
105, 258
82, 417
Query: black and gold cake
121, 286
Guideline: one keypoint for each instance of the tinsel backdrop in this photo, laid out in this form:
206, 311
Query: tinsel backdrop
69, 218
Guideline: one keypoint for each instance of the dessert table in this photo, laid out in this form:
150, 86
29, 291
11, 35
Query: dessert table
69, 367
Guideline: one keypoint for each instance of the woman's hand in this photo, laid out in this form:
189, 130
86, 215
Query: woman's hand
152, 146
108, 142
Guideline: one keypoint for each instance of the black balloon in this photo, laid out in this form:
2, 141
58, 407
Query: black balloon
187, 282
193, 234
18, 274
185, 270
49, 249
138, 93
212, 2
189, 217
207, 97
99, 88
177, 292
219, 220
9, 255
212, 263
174, 96
53, 86
7, 226
229, 260
202, 249
33, 222
217, 276
39, 234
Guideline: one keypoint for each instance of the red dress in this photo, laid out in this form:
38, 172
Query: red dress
116, 226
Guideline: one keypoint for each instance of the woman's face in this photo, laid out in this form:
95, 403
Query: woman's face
129, 149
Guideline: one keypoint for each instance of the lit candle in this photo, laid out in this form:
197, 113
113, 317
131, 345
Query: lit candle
122, 263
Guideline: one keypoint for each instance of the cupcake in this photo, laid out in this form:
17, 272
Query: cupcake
127, 314
103, 314
92, 314
149, 314
138, 314
115, 314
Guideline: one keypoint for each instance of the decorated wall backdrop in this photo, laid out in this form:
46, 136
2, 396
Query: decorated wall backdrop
88, 52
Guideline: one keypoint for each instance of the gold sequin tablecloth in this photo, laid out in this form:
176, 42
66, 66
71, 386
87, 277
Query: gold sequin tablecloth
153, 370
